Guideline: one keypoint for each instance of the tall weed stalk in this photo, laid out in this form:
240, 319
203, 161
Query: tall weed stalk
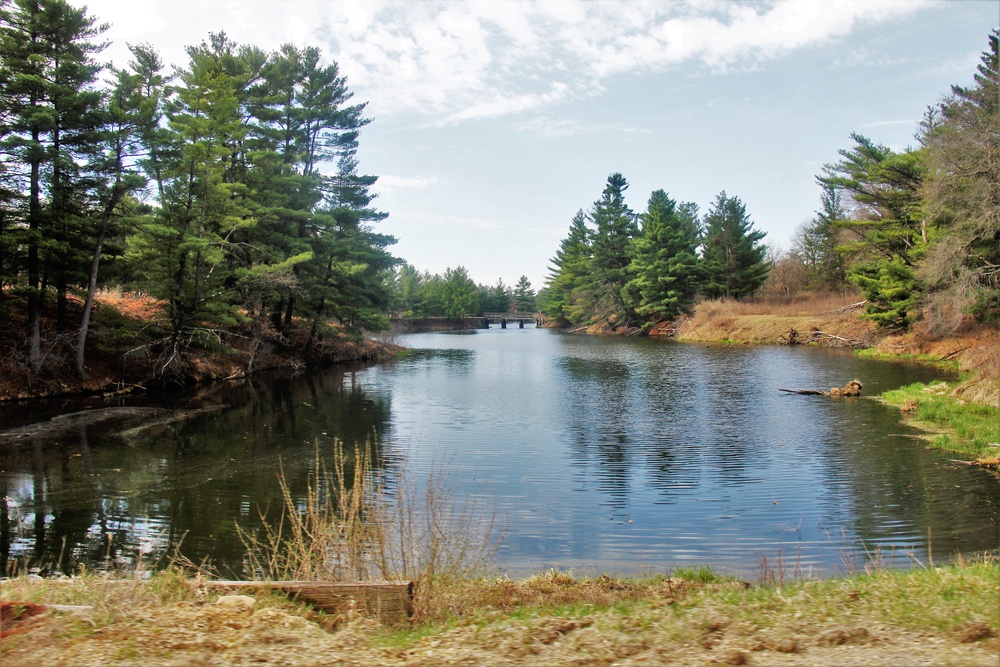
352, 526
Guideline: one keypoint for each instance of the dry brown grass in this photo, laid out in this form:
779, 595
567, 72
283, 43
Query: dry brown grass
939, 616
769, 323
448, 597
132, 305
808, 304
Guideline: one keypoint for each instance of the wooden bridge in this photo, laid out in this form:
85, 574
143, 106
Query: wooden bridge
504, 318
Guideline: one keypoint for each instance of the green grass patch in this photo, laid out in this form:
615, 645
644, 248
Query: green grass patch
872, 353
939, 598
702, 573
971, 429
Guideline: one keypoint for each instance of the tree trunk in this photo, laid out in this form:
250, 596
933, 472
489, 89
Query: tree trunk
81, 342
34, 329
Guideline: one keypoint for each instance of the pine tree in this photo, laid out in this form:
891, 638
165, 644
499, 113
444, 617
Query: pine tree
614, 228
459, 295
524, 296
665, 261
887, 224
733, 257
562, 295
817, 243
117, 178
53, 115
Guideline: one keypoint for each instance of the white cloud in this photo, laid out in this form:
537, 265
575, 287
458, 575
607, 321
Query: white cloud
900, 122
451, 61
389, 183
565, 128
461, 61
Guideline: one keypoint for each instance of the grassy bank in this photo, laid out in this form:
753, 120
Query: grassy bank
943, 616
969, 429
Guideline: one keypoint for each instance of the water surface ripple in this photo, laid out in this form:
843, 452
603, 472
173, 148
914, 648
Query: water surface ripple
598, 454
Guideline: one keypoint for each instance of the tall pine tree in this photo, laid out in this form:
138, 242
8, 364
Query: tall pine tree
562, 298
53, 115
665, 260
887, 224
615, 226
733, 257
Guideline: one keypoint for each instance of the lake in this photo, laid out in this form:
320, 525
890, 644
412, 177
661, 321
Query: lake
596, 454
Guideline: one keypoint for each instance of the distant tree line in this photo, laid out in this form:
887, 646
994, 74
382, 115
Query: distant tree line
454, 294
917, 231
633, 270
228, 188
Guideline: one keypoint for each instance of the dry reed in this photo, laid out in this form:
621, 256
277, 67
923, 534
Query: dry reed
350, 526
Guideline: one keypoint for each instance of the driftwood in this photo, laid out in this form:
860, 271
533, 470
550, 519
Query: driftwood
389, 601
794, 337
851, 389
846, 309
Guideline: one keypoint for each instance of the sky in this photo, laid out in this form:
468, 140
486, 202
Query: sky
493, 123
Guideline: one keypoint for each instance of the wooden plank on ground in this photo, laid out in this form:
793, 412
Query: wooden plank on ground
389, 601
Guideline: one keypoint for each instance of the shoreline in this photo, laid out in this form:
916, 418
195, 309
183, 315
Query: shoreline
943, 615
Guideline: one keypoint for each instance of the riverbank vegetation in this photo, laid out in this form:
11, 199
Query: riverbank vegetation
226, 191
943, 615
915, 232
970, 429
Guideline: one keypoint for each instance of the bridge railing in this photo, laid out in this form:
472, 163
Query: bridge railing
510, 316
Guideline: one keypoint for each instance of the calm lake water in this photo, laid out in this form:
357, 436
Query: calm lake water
597, 454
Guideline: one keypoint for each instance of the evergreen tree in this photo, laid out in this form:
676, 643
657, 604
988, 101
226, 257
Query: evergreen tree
524, 296
53, 116
495, 299
117, 178
614, 228
665, 261
887, 224
407, 290
562, 298
817, 243
459, 297
205, 201
733, 257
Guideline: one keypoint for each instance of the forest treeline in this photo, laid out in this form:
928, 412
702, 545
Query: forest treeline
201, 187
917, 232
454, 294
228, 190
627, 270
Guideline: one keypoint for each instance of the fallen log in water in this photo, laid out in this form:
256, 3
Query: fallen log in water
851, 389
389, 601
